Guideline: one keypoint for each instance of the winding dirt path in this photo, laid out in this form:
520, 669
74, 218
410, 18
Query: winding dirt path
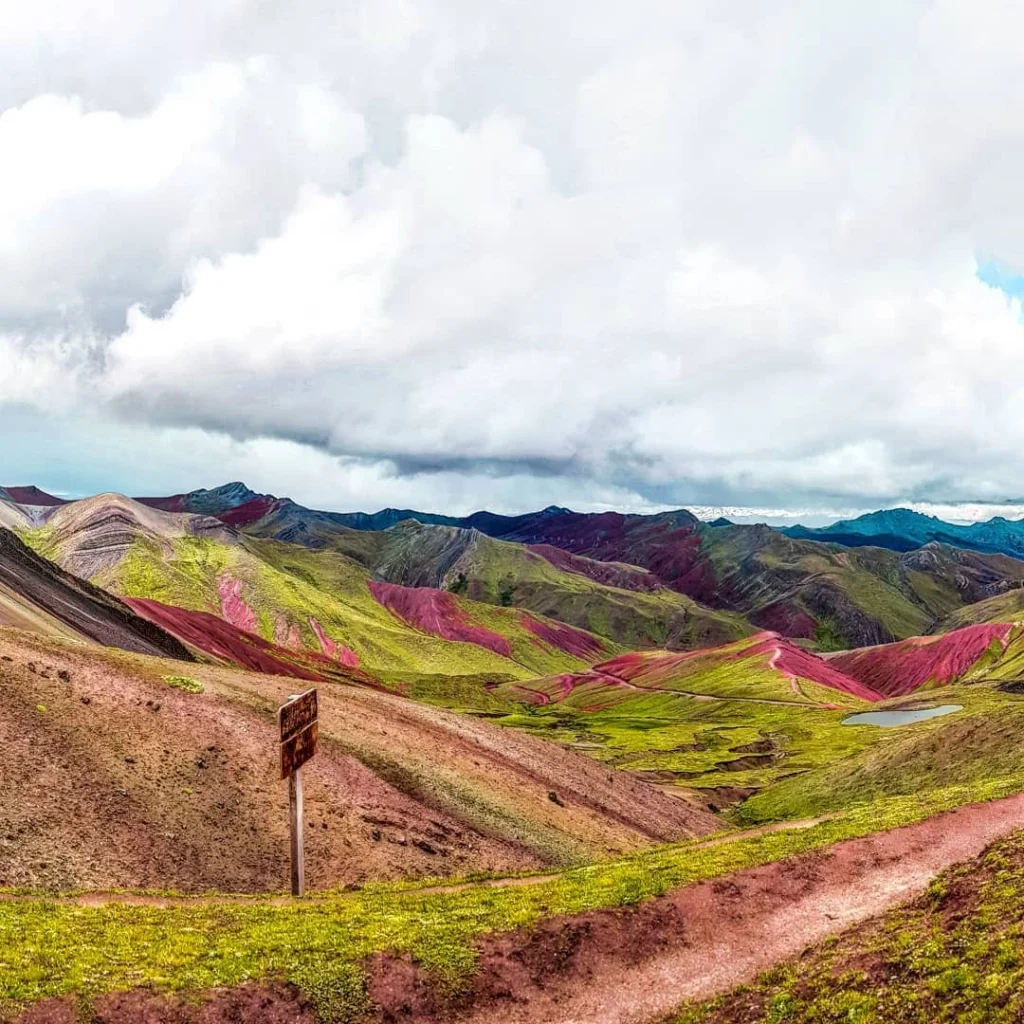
632, 965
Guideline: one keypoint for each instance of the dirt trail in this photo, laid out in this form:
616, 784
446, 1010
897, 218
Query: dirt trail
100, 898
631, 965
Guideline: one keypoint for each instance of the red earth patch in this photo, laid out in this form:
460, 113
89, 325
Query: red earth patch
610, 574
797, 663
337, 652
33, 496
221, 639
437, 612
565, 638
250, 511
232, 604
286, 635
175, 503
786, 618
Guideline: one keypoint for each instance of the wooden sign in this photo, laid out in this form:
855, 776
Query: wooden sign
298, 749
298, 721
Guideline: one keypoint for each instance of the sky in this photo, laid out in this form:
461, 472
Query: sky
453, 254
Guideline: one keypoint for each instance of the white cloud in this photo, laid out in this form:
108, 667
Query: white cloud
663, 252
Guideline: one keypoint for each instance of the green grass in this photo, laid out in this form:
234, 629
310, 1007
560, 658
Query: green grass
863, 586
954, 955
184, 683
1008, 607
697, 740
51, 948
972, 746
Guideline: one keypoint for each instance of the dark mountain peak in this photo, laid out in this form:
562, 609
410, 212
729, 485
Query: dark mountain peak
889, 517
720, 521
218, 500
556, 510
236, 492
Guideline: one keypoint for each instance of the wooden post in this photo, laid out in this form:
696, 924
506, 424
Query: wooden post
295, 818
297, 720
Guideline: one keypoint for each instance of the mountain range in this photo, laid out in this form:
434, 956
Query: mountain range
661, 580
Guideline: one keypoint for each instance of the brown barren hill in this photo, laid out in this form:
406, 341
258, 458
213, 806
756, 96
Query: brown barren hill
116, 776
36, 594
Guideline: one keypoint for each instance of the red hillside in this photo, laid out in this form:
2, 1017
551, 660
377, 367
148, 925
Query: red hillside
437, 612
901, 668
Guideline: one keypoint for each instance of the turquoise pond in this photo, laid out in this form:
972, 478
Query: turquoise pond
887, 719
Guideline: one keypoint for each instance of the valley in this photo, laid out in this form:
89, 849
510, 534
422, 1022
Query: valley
535, 730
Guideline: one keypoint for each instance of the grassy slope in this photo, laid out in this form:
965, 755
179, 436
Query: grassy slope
1008, 607
509, 574
288, 586
692, 741
980, 743
52, 949
847, 590
502, 572
847, 597
800, 756
953, 955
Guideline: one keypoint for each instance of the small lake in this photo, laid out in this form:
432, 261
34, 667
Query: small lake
887, 719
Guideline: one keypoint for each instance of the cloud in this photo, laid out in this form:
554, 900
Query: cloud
664, 252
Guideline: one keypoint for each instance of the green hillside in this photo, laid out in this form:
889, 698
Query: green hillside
637, 612
847, 597
295, 596
1007, 607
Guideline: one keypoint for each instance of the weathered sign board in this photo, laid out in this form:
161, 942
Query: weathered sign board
298, 721
298, 749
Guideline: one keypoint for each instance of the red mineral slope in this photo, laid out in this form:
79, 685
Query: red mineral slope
232, 603
735, 671
796, 663
172, 503
437, 612
668, 544
250, 511
611, 574
338, 652
786, 618
573, 641
214, 636
901, 668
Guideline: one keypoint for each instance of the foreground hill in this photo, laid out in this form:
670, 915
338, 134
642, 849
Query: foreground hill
806, 588
123, 771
